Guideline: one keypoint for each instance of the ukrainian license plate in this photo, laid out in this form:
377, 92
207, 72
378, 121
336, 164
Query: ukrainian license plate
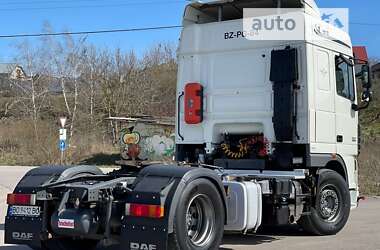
29, 211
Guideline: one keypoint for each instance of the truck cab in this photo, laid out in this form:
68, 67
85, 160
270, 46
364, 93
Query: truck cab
301, 120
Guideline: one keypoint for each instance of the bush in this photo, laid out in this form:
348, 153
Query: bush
369, 168
19, 144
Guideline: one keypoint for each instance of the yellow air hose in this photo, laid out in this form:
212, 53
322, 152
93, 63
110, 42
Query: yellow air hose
243, 151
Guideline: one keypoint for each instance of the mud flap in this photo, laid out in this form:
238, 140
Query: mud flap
23, 231
27, 230
138, 233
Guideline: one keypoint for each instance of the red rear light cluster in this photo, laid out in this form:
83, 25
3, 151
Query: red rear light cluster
143, 210
193, 103
21, 199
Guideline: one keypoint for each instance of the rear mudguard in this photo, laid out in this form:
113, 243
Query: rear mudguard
37, 177
163, 185
28, 230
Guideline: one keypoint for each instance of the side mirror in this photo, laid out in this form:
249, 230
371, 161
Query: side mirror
365, 101
365, 77
367, 96
363, 105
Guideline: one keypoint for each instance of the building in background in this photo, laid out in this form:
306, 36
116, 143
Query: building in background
11, 71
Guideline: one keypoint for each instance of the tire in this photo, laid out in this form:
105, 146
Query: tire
332, 206
199, 219
69, 244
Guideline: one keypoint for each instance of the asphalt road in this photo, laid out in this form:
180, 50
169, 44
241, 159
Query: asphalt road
361, 233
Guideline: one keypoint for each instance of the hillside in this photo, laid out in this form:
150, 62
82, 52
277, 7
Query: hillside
369, 159
370, 118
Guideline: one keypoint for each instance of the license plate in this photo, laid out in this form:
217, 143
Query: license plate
29, 211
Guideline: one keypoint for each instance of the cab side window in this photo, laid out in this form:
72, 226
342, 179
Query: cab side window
344, 72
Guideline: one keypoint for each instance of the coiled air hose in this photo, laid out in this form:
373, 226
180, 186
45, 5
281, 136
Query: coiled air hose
243, 151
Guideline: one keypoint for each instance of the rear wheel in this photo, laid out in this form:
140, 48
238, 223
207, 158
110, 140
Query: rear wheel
332, 205
199, 219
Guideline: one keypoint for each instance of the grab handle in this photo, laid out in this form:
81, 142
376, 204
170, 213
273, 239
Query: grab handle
179, 115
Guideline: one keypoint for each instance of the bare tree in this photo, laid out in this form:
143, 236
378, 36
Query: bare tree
68, 76
75, 61
32, 89
66, 55
90, 78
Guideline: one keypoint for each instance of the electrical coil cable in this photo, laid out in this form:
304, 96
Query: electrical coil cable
243, 151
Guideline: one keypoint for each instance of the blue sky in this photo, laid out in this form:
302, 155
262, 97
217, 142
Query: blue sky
28, 16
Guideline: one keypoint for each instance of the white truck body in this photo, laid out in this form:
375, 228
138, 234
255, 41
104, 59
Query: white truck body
238, 95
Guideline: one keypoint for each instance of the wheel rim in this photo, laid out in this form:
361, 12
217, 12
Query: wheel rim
200, 220
329, 203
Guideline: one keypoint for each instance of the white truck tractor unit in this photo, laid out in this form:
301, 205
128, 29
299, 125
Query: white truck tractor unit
266, 134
